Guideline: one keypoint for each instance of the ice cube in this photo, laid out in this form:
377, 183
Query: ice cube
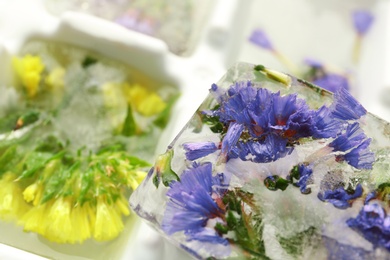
271, 166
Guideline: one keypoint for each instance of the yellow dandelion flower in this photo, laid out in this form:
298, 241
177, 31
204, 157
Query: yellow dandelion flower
29, 69
33, 193
122, 206
145, 102
59, 225
12, 205
135, 178
35, 220
108, 222
80, 217
55, 79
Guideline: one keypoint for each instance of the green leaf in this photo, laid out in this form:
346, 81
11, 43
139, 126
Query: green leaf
7, 158
276, 183
88, 61
36, 161
163, 118
295, 245
129, 127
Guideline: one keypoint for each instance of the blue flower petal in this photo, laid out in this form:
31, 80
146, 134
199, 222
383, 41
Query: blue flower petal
197, 150
346, 107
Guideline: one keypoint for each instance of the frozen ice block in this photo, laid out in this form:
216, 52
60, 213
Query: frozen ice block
273, 167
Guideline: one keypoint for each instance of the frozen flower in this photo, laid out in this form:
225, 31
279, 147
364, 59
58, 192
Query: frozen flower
198, 150
332, 82
361, 157
260, 38
29, 69
303, 173
346, 107
324, 125
195, 205
373, 224
55, 79
339, 197
352, 137
362, 21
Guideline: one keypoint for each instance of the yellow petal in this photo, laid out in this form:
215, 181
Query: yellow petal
55, 79
108, 222
12, 204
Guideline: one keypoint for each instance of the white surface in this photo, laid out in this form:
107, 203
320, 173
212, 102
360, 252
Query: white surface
291, 24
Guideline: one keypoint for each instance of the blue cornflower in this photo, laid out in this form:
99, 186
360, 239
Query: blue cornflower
352, 137
361, 157
373, 224
260, 38
339, 197
195, 205
197, 150
324, 125
261, 123
270, 149
332, 82
305, 173
362, 21
346, 107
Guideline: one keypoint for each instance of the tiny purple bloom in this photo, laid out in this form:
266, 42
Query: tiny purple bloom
305, 172
197, 150
370, 196
362, 21
313, 63
324, 125
372, 223
332, 82
346, 107
352, 137
195, 201
339, 197
361, 157
260, 38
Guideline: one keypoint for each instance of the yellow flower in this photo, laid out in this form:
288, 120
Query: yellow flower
145, 102
33, 193
35, 219
55, 79
108, 222
29, 69
60, 228
12, 204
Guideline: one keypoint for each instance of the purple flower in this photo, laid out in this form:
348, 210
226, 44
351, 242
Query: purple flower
195, 205
362, 21
361, 157
373, 224
324, 125
260, 38
337, 250
267, 150
346, 107
332, 82
340, 198
197, 150
352, 137
305, 173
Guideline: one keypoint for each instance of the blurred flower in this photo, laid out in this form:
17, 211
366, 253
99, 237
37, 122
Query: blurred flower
55, 79
146, 102
12, 205
260, 38
195, 205
373, 224
362, 21
340, 198
29, 69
